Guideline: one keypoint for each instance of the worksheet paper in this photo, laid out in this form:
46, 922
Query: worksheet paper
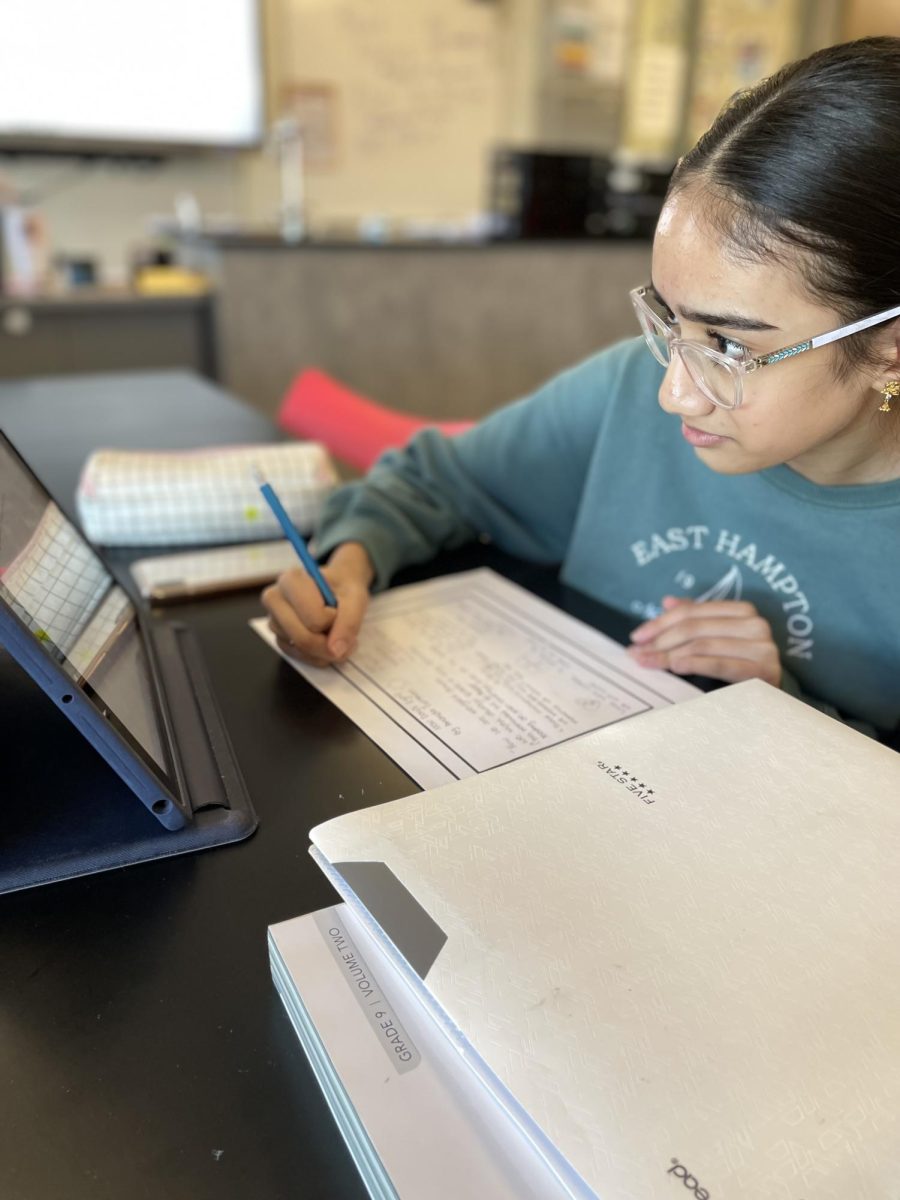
460, 674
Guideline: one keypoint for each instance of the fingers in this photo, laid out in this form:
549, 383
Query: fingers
729, 659
677, 610
674, 601
293, 652
353, 600
308, 629
729, 670
294, 621
697, 624
725, 640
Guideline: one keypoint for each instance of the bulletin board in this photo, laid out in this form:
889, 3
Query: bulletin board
416, 98
738, 43
654, 95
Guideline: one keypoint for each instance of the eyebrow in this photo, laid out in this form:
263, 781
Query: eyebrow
725, 320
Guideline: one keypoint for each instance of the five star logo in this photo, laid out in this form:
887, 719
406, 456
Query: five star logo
633, 783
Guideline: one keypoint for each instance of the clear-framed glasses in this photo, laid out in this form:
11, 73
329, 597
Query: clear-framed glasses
718, 376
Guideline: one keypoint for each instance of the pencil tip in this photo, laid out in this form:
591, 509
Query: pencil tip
258, 476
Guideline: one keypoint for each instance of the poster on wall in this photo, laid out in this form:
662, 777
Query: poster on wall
589, 39
738, 43
654, 95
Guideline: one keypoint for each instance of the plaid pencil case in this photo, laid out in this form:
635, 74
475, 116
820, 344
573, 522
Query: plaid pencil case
155, 498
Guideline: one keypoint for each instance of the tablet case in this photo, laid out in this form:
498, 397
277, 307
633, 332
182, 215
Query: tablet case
67, 813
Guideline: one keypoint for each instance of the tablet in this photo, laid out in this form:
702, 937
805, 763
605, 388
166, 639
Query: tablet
136, 690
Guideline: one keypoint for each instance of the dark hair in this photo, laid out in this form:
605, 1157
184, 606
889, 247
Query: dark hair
809, 160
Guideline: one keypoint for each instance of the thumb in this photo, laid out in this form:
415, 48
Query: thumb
674, 601
352, 605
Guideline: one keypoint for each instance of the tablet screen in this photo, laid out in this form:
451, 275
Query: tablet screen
63, 593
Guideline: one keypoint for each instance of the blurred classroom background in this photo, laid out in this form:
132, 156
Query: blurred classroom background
438, 202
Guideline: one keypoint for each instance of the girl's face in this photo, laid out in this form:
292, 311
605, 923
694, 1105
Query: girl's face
795, 411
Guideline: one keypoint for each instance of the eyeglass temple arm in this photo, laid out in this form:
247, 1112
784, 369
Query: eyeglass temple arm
866, 323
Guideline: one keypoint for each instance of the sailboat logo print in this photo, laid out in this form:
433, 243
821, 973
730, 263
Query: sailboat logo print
729, 587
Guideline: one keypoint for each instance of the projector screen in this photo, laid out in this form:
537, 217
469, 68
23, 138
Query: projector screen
139, 75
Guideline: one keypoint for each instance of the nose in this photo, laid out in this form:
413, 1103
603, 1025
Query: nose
679, 394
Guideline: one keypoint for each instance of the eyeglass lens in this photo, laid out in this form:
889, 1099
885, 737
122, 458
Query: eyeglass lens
709, 374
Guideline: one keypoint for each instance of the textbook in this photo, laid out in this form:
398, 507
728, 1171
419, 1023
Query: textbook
415, 1121
669, 950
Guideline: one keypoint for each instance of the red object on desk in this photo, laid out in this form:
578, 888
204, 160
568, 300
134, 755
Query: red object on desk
352, 427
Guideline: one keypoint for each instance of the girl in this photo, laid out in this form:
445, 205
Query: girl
753, 525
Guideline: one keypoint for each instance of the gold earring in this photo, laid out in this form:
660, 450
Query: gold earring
889, 390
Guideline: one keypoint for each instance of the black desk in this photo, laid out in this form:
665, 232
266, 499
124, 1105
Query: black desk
144, 1051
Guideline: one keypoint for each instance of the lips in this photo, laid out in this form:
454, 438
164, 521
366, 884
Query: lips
699, 437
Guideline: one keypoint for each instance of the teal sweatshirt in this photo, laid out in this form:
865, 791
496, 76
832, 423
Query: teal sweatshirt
588, 473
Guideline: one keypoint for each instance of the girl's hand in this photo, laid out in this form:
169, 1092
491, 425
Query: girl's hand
304, 626
721, 639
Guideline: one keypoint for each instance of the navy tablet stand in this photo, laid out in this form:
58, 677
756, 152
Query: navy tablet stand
66, 812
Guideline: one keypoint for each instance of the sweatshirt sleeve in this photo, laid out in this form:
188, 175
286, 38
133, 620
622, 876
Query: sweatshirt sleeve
517, 478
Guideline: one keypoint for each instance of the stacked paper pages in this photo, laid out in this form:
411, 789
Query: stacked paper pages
414, 1119
667, 951
150, 498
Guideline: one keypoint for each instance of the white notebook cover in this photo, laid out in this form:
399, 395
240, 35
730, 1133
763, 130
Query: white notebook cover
675, 943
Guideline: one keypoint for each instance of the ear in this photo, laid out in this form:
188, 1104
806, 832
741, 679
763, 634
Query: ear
889, 355
894, 343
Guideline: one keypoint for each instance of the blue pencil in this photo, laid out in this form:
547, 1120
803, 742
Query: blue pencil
296, 540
